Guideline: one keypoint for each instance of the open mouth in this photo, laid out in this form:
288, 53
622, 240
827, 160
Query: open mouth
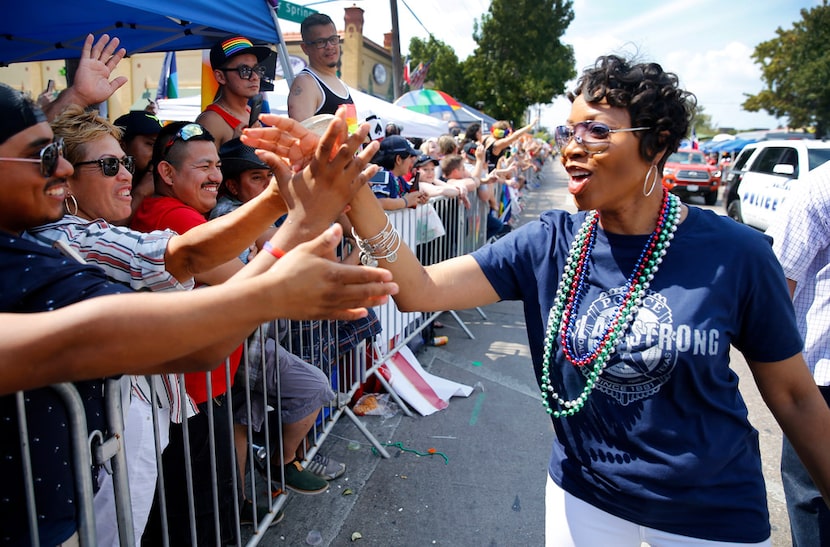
211, 187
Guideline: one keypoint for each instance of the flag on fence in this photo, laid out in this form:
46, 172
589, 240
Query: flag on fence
168, 87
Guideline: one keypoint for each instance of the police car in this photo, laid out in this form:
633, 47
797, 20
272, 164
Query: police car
763, 175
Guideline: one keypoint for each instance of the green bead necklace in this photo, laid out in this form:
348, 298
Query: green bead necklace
563, 312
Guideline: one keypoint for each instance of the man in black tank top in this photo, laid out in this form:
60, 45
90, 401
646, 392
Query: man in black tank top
317, 89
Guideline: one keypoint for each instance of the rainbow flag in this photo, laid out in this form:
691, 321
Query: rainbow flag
168, 87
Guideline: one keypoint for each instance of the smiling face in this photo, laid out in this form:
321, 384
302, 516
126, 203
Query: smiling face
27, 198
98, 195
192, 174
427, 172
612, 179
327, 56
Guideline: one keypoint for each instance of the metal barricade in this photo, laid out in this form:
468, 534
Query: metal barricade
204, 504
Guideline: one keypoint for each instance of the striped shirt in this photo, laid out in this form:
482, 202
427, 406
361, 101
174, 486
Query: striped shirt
801, 240
135, 259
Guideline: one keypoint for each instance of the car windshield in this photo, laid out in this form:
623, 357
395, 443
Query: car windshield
687, 158
818, 156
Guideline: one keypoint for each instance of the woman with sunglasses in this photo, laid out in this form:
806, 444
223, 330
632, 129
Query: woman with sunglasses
632, 305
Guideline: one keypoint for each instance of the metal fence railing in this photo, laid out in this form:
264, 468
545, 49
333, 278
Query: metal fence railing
218, 477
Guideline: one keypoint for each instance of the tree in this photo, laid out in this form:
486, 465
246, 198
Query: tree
520, 59
444, 69
702, 122
795, 67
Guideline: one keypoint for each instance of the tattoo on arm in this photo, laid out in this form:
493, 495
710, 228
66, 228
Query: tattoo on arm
298, 90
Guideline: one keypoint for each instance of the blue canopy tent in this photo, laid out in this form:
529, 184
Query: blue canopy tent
50, 30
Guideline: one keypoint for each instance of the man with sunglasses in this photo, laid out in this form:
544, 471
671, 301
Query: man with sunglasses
317, 89
238, 69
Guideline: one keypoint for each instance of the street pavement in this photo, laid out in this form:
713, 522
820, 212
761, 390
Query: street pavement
484, 486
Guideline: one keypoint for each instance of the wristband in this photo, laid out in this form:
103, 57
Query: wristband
270, 249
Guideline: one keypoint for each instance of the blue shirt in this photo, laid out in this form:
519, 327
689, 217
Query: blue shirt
663, 440
36, 278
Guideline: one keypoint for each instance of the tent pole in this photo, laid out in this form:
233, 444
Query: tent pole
285, 60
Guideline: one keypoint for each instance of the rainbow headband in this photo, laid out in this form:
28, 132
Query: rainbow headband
232, 46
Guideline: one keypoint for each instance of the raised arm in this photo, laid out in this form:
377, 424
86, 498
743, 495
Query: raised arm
500, 144
92, 83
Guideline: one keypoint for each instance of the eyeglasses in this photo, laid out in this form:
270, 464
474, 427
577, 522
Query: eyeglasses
48, 159
246, 72
109, 166
186, 133
320, 43
594, 137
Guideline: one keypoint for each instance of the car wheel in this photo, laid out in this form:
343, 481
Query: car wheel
733, 211
711, 198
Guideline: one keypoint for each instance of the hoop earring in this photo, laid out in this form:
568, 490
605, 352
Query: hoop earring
74, 203
654, 178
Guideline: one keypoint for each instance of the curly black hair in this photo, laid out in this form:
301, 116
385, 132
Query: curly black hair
651, 96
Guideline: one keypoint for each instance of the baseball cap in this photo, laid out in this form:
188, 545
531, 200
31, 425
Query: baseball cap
470, 150
237, 157
138, 122
395, 145
424, 159
224, 50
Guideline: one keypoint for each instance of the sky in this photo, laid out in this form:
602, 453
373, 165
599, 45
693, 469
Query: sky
707, 43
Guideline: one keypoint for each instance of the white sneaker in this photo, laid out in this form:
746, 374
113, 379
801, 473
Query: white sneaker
325, 467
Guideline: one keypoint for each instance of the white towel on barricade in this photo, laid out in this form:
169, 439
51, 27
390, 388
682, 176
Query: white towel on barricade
424, 392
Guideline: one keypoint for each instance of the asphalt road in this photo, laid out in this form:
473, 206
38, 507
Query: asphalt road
488, 487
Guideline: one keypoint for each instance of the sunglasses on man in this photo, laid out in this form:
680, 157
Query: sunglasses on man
247, 72
48, 157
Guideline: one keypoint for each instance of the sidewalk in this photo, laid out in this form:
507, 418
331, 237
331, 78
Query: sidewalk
490, 489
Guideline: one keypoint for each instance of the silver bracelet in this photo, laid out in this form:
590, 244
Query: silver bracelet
383, 246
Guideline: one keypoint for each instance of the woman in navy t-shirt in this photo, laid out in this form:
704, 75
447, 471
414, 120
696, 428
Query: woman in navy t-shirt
632, 305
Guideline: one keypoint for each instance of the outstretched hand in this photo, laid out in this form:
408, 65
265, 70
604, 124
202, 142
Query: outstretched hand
311, 285
317, 176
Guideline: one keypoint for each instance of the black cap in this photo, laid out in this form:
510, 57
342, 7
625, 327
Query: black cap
424, 159
470, 150
138, 122
224, 50
237, 157
395, 145
17, 112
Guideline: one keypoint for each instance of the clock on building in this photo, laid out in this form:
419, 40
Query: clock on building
379, 73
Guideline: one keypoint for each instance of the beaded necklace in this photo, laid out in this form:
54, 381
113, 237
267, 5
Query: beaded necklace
572, 288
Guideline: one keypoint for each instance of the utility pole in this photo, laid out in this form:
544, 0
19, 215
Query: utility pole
396, 50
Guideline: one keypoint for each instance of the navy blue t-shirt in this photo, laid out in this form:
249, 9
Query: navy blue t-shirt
663, 440
36, 278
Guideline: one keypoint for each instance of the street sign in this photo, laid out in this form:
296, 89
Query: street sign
293, 12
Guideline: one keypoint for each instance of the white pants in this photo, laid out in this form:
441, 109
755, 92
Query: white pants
571, 522
140, 450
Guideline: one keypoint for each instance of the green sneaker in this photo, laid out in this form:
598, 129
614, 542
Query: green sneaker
303, 481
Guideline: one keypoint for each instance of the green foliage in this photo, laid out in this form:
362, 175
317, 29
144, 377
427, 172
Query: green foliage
520, 59
702, 123
444, 69
795, 68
